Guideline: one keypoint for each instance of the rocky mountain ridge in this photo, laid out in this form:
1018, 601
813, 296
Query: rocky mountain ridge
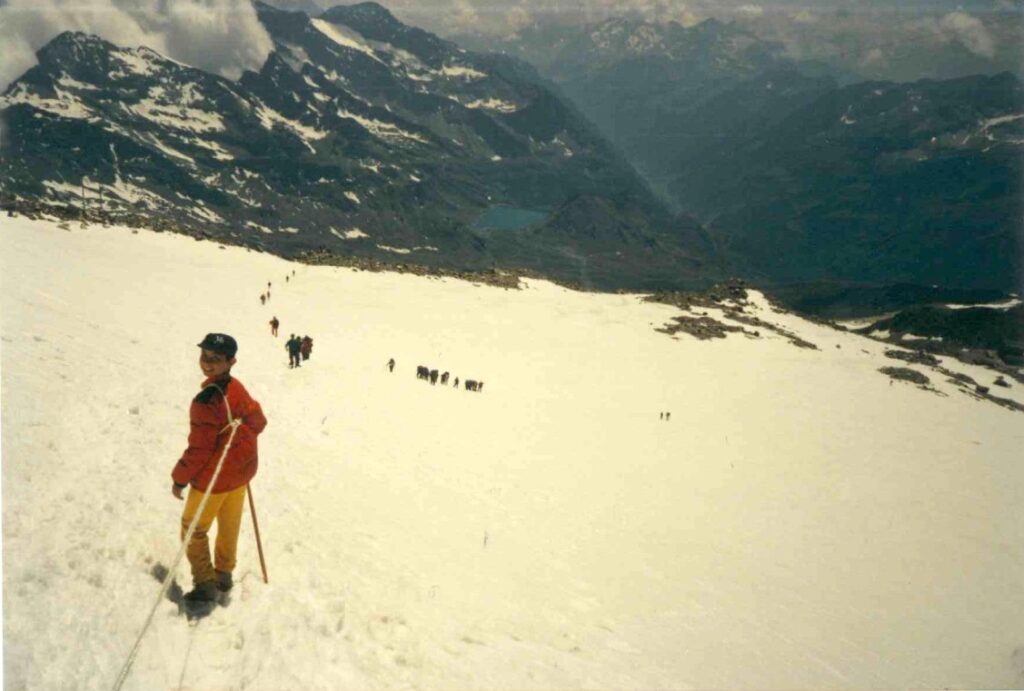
359, 136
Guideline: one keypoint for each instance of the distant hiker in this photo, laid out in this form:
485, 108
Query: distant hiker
422, 372
293, 272
667, 415
661, 416
433, 376
456, 382
470, 385
221, 399
268, 287
273, 326
391, 365
306, 347
286, 278
444, 378
479, 386
294, 347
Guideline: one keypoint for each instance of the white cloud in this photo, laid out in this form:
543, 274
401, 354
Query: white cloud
15, 58
464, 14
970, 32
874, 58
500, 17
518, 17
656, 11
222, 36
751, 10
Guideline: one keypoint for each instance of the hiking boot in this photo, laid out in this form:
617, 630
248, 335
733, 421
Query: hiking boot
203, 592
224, 582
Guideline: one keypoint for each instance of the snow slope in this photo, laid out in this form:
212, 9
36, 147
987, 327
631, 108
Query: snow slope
800, 522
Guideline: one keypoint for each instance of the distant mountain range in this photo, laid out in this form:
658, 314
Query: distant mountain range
363, 137
796, 177
916, 182
359, 136
659, 91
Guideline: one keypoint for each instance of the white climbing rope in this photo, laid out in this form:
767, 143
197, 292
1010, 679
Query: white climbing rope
233, 424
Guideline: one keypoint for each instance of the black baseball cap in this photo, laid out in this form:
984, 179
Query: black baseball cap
220, 343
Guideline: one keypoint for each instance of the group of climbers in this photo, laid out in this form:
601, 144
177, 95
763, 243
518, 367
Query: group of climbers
298, 349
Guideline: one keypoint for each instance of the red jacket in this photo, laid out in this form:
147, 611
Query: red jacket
209, 433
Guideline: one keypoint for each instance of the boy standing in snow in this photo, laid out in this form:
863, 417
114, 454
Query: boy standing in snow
221, 399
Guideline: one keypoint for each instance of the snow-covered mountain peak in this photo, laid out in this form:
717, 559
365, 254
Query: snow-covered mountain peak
453, 133
376, 23
723, 46
367, 14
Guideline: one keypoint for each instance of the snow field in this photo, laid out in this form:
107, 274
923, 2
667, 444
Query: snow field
800, 522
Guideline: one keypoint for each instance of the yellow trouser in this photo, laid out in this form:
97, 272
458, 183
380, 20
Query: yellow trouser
226, 507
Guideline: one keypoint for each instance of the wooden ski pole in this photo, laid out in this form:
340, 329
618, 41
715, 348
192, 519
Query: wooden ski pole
256, 525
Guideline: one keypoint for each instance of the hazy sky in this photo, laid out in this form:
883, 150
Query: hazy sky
498, 14
224, 36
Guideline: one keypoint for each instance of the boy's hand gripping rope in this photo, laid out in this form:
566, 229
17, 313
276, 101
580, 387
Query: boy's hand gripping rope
233, 423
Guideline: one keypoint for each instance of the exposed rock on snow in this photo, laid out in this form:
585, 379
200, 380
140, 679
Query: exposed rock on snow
702, 327
906, 374
732, 299
916, 356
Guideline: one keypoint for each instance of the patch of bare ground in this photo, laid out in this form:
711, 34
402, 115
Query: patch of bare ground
704, 328
731, 298
963, 382
910, 375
